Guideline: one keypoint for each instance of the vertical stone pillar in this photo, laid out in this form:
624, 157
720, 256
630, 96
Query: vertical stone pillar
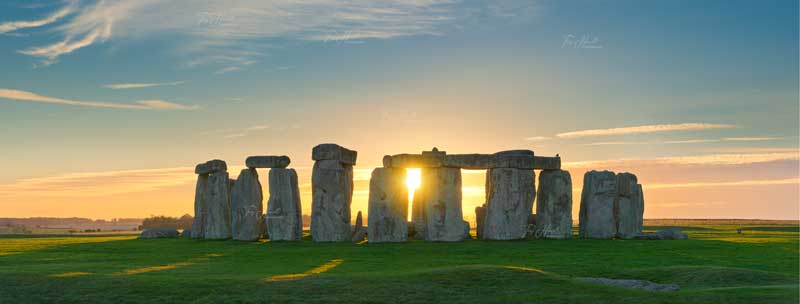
598, 199
284, 211
480, 219
440, 196
629, 206
217, 218
509, 202
197, 231
388, 206
332, 193
554, 205
246, 206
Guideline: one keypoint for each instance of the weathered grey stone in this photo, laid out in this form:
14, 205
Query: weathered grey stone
480, 219
267, 161
418, 216
246, 206
284, 211
467, 235
547, 163
411, 161
633, 284
211, 166
554, 205
670, 233
597, 205
629, 207
519, 159
440, 197
158, 233
509, 202
332, 193
187, 233
334, 152
199, 208
217, 218
359, 232
388, 206
468, 161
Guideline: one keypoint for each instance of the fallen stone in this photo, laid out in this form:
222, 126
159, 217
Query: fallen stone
597, 205
267, 161
217, 218
509, 202
158, 233
633, 284
199, 208
284, 212
332, 193
246, 206
334, 152
629, 207
480, 219
211, 166
440, 197
359, 232
554, 205
663, 234
388, 206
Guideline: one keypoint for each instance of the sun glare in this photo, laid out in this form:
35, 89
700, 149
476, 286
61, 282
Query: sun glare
413, 181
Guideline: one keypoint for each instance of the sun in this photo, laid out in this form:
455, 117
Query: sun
413, 181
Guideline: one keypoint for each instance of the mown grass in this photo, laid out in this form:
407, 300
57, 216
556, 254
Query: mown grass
716, 265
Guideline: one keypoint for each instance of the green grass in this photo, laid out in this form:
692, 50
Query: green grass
717, 265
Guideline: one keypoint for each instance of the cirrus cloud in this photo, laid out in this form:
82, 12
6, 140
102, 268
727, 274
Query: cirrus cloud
644, 129
20, 95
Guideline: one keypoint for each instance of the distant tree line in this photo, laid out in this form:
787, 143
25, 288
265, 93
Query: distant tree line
161, 221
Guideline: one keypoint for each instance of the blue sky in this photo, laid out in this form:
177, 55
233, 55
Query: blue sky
157, 85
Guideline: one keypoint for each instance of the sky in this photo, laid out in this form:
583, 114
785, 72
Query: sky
106, 106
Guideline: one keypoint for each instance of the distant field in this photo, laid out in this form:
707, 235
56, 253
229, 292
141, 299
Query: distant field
717, 265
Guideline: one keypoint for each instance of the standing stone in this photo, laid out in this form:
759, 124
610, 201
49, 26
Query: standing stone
597, 205
440, 196
418, 215
509, 202
388, 206
332, 193
554, 205
284, 212
197, 231
359, 232
629, 206
246, 206
480, 219
217, 218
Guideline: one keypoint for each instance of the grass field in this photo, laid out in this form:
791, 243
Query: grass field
717, 265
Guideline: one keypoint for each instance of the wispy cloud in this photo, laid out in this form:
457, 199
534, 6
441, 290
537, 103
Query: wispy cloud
537, 138
139, 105
687, 141
122, 86
235, 135
257, 128
709, 159
234, 35
644, 129
755, 182
6, 27
102, 183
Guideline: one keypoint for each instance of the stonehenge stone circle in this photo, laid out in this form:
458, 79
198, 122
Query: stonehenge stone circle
199, 208
246, 206
388, 206
332, 193
158, 233
597, 205
554, 205
440, 200
217, 216
509, 200
267, 161
284, 211
629, 207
